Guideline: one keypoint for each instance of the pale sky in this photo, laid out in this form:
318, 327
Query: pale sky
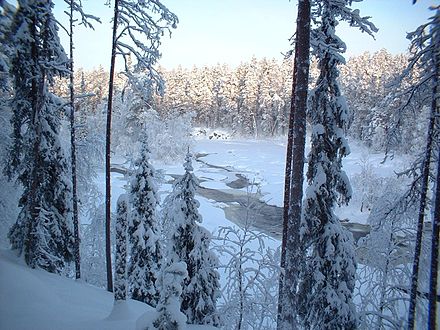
232, 31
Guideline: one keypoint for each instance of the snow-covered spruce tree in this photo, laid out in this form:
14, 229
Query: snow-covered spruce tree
137, 29
6, 18
144, 235
43, 231
10, 192
328, 277
169, 315
121, 248
189, 242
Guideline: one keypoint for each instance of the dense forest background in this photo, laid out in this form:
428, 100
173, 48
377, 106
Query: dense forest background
253, 99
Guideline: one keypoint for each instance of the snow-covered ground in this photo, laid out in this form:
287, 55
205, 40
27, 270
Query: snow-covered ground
35, 299
261, 161
264, 162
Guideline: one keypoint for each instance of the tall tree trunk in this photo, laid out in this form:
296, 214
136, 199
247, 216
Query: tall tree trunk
73, 152
432, 310
421, 218
292, 245
287, 183
108, 256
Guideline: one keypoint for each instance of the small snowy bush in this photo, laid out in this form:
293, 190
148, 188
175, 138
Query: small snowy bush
169, 315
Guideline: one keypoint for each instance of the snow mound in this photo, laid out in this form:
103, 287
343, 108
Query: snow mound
121, 311
35, 299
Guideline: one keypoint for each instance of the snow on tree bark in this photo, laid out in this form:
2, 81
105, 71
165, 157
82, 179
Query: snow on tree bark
121, 248
435, 109
288, 300
287, 186
108, 256
73, 150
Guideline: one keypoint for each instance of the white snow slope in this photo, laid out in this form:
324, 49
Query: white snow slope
33, 299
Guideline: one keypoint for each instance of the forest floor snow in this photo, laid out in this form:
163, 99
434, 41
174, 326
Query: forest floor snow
38, 300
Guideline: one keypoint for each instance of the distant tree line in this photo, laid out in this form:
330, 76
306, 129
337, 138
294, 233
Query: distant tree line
253, 99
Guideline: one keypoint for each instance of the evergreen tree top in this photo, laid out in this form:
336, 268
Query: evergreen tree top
145, 150
188, 163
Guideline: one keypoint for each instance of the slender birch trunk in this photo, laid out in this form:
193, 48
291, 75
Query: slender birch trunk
108, 256
76, 252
